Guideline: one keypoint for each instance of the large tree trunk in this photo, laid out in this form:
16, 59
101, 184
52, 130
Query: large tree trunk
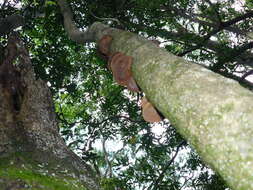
32, 153
212, 112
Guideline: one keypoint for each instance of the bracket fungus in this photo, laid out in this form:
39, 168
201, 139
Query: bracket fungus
120, 64
149, 112
104, 45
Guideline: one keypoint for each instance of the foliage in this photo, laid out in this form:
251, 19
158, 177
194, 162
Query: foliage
102, 121
111, 183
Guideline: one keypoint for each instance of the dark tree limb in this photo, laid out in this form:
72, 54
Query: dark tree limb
194, 18
209, 44
241, 49
221, 27
10, 23
249, 14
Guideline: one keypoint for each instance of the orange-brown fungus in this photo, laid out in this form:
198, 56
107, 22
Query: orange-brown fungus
132, 86
121, 68
120, 65
104, 44
149, 113
110, 60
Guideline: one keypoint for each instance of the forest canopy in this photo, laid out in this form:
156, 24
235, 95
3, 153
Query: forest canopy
102, 121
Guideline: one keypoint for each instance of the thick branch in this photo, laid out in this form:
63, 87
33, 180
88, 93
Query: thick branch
193, 18
239, 18
213, 113
221, 27
209, 44
73, 32
183, 91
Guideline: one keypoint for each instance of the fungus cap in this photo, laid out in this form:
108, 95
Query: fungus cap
104, 44
149, 113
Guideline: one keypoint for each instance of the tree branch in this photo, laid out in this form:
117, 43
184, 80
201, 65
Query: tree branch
106, 156
249, 14
10, 23
73, 32
161, 176
105, 19
222, 26
193, 18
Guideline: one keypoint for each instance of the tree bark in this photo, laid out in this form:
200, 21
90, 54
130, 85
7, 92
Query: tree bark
212, 112
10, 23
32, 153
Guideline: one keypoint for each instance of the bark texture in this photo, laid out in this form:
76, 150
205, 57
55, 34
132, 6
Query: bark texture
212, 112
28, 126
9, 23
73, 32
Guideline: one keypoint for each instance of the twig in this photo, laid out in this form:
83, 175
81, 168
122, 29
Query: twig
222, 26
215, 10
109, 165
106, 19
161, 176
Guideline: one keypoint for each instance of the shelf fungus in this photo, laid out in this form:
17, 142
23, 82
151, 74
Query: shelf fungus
104, 45
103, 50
149, 112
120, 64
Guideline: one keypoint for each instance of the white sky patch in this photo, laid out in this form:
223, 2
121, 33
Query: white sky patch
12, 3
250, 78
158, 129
238, 5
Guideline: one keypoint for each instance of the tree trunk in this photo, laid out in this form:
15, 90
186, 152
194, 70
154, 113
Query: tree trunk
212, 112
32, 153
10, 23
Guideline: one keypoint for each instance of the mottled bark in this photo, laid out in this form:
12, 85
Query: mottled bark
212, 112
73, 32
250, 35
28, 126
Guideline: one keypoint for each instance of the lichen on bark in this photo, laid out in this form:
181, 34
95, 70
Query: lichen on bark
212, 112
